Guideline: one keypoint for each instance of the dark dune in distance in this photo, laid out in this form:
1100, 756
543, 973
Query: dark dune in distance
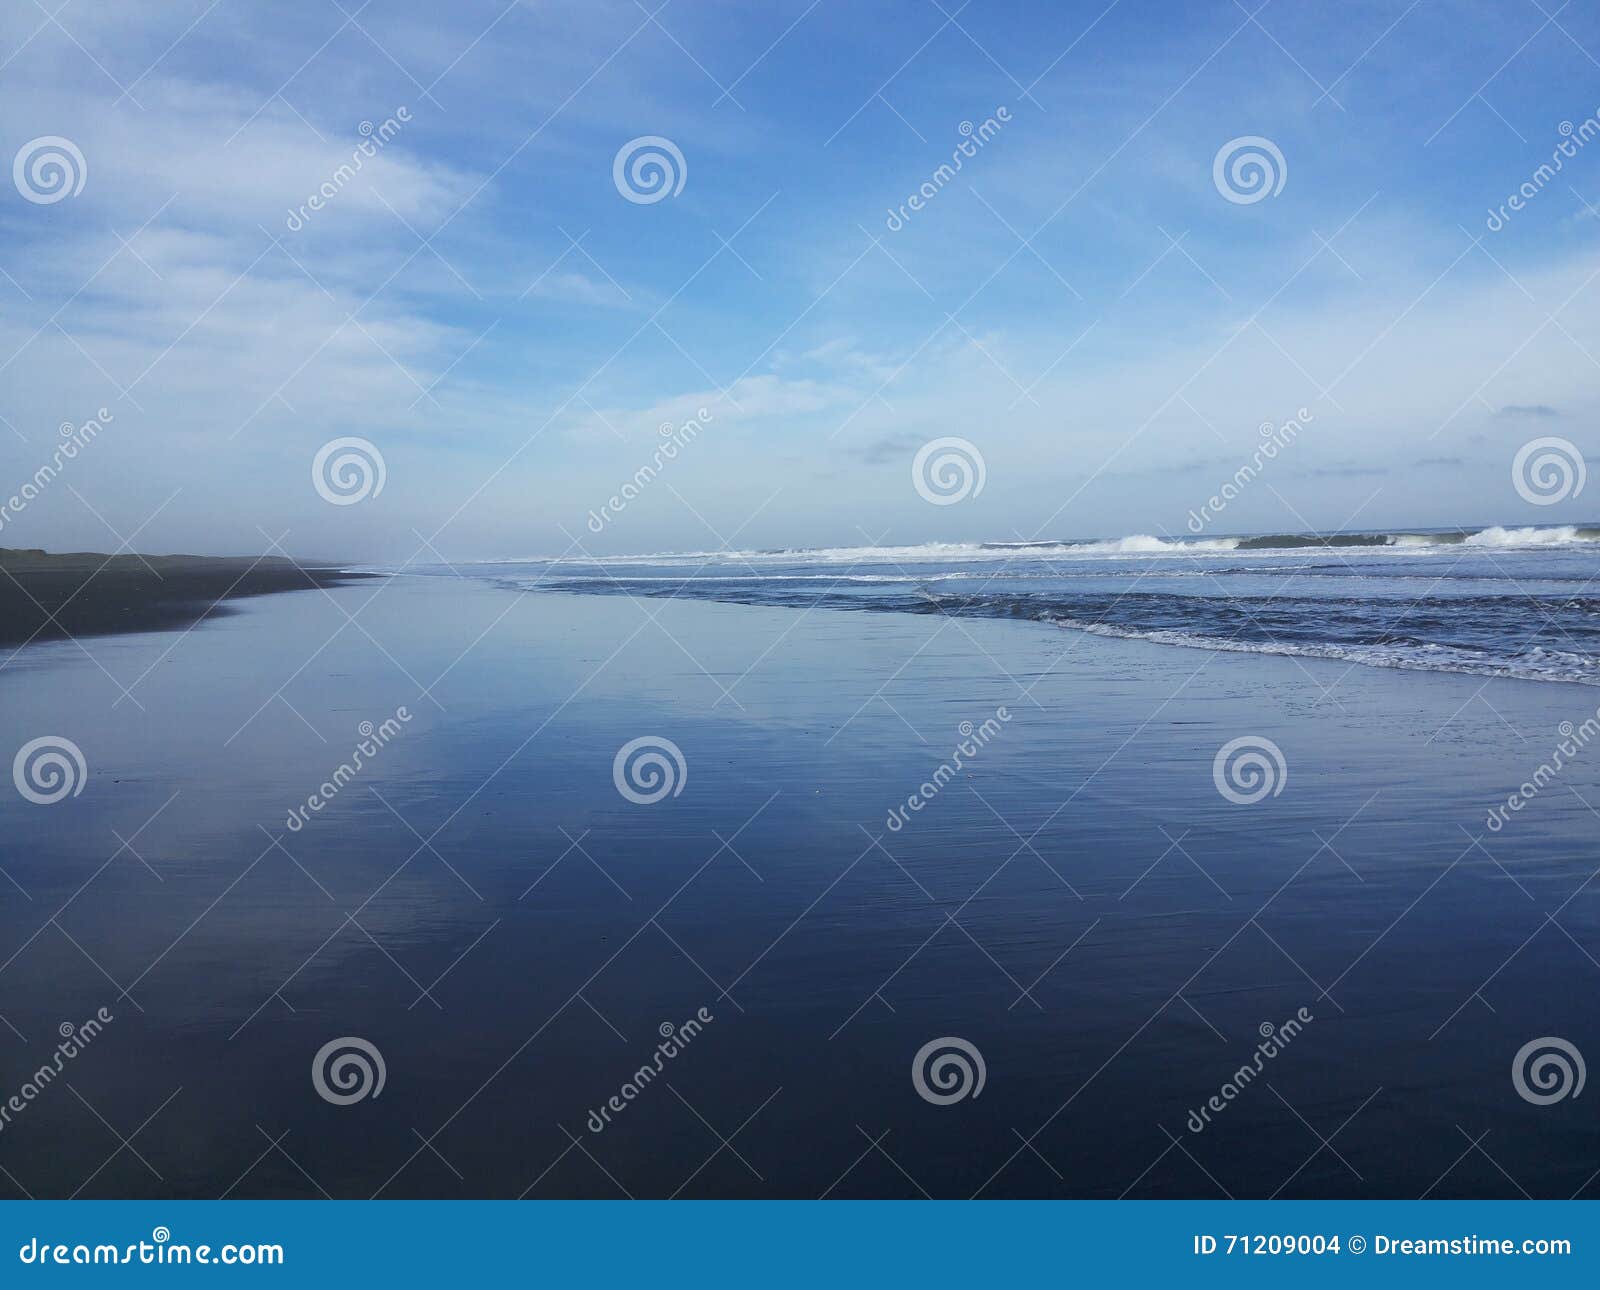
82, 593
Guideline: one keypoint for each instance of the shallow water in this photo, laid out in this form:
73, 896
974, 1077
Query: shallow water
1517, 602
1079, 903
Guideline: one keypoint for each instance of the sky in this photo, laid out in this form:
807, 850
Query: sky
507, 312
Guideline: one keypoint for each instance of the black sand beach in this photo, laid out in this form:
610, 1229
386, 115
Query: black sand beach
480, 903
84, 593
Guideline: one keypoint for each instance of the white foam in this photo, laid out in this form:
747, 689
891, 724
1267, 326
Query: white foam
1144, 544
927, 552
1133, 545
1496, 536
1538, 664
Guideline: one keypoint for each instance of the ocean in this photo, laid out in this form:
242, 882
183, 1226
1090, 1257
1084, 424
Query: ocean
1490, 601
1082, 870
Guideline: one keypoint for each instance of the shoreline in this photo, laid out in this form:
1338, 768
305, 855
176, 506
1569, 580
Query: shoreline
45, 597
1101, 921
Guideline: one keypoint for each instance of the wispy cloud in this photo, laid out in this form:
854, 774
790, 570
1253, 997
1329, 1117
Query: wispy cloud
478, 298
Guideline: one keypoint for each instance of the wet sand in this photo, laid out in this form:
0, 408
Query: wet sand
84, 593
482, 904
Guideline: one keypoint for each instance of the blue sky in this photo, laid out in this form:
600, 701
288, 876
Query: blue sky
1080, 302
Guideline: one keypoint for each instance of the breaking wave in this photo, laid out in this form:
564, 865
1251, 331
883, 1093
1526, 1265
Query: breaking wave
1137, 544
1490, 601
